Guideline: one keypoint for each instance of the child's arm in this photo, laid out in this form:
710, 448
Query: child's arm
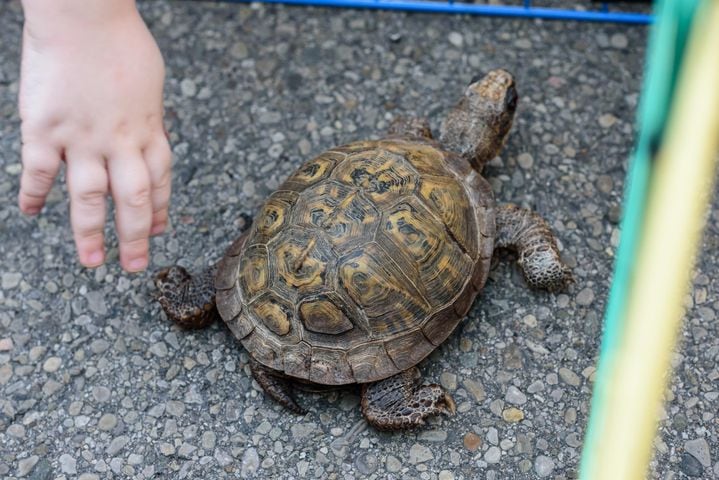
91, 95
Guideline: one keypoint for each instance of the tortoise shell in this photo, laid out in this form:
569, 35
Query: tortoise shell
361, 263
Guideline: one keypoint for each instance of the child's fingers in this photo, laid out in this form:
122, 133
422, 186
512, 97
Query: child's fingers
87, 183
159, 161
41, 163
130, 183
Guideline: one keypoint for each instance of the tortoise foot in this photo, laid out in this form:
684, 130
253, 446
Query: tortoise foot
278, 388
529, 234
399, 403
187, 300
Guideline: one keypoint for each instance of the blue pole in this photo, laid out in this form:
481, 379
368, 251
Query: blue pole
472, 9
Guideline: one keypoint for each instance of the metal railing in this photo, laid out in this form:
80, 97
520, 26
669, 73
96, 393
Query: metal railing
526, 10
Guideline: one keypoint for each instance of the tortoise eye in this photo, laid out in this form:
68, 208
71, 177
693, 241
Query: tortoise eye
510, 100
476, 78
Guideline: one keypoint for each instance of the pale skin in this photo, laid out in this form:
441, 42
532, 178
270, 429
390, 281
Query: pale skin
91, 97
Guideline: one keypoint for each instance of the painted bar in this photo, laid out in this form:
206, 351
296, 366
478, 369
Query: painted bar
471, 9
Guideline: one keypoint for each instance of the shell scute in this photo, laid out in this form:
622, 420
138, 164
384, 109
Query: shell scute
381, 175
321, 315
442, 267
390, 301
330, 367
276, 314
273, 216
313, 171
340, 211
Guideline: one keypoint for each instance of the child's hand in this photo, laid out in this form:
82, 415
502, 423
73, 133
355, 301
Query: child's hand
91, 95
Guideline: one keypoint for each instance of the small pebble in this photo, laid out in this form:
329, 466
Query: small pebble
6, 344
107, 422
492, 455
208, 440
10, 280
222, 457
585, 297
445, 475
543, 466
68, 464
512, 415
619, 40
16, 430
393, 464
515, 396
448, 381
52, 364
239, 50
175, 408
167, 449
419, 454
569, 377
366, 463
690, 466
475, 389
250, 462
456, 39
188, 87
699, 449
472, 441
525, 160
607, 120
37, 352
117, 444
26, 465
101, 394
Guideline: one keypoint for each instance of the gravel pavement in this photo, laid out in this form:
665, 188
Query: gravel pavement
95, 383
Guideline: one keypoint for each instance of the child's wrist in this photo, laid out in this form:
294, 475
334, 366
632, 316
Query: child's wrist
55, 20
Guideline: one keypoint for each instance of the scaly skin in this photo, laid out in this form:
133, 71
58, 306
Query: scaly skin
400, 403
187, 300
529, 234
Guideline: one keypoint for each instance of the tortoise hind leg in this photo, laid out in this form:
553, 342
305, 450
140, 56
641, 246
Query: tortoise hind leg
400, 403
526, 232
278, 388
187, 300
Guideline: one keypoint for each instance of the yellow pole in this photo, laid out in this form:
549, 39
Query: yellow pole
679, 193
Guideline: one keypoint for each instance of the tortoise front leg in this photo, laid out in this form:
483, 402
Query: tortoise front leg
529, 234
277, 387
187, 300
410, 127
400, 403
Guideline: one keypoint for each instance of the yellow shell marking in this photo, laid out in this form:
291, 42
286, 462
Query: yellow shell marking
426, 159
299, 264
272, 313
383, 176
274, 215
254, 270
313, 171
442, 266
339, 210
373, 281
322, 316
448, 199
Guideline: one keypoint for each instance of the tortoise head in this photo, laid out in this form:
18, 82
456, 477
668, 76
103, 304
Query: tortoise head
479, 123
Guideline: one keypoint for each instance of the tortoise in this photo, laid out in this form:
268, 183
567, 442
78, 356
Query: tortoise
368, 256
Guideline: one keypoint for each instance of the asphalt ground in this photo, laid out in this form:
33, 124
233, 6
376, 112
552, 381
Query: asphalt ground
96, 383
